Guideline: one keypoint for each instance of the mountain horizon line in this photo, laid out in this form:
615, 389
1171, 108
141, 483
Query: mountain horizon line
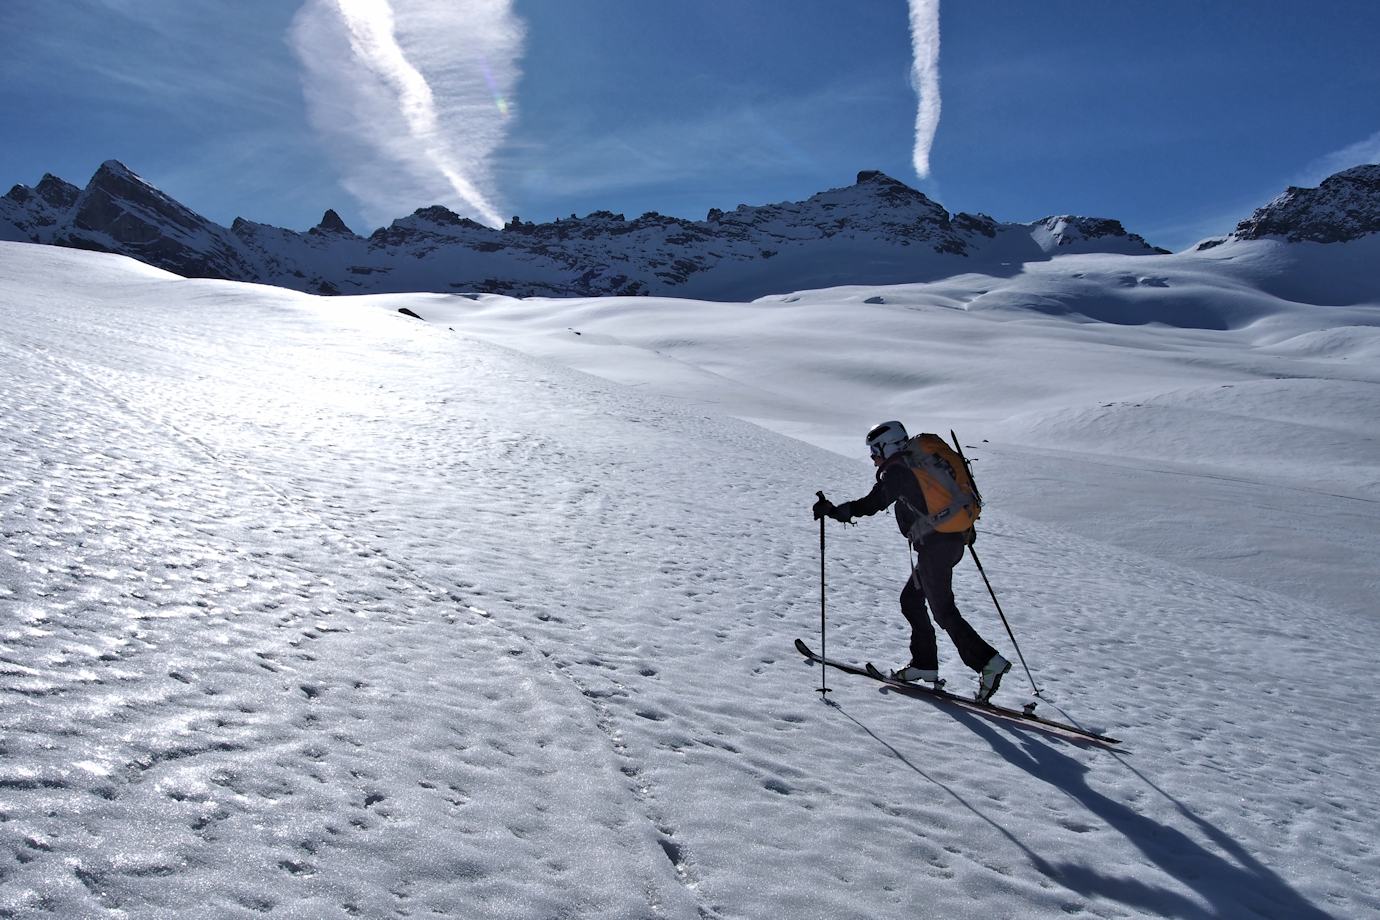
332, 220
877, 230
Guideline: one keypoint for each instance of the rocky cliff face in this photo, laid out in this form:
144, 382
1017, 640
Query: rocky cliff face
120, 212
1345, 206
33, 214
877, 230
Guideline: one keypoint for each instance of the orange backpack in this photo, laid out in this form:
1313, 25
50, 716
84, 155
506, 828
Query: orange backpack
953, 500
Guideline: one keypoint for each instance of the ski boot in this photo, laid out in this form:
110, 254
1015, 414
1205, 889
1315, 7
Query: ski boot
928, 677
990, 678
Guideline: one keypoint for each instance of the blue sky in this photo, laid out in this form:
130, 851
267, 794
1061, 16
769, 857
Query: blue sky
1177, 118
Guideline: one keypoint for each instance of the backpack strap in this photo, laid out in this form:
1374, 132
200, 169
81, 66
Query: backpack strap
941, 472
922, 527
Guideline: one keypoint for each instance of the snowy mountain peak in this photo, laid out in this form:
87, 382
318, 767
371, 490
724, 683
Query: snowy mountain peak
1345, 206
119, 211
57, 192
118, 201
874, 186
1067, 234
114, 169
31, 213
885, 186
875, 175
331, 223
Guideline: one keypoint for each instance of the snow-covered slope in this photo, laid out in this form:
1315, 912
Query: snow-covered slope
876, 231
308, 608
1176, 364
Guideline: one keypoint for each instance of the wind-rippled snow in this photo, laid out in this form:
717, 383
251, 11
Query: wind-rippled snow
313, 610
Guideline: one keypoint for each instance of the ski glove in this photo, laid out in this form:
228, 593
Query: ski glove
825, 508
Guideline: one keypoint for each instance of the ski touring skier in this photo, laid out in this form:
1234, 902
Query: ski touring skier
937, 537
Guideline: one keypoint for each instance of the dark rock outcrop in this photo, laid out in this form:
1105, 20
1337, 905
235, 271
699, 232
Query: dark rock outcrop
120, 212
1069, 234
1345, 206
331, 224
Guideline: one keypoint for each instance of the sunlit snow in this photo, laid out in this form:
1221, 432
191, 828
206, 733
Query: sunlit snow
309, 608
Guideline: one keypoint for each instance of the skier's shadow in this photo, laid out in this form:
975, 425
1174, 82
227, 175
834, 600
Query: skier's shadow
1230, 884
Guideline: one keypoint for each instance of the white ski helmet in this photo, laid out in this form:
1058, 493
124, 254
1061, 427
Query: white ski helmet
887, 439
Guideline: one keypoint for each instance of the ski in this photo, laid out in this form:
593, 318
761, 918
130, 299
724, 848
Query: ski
1024, 716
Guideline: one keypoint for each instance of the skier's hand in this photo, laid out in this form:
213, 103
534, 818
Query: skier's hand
970, 536
823, 507
842, 513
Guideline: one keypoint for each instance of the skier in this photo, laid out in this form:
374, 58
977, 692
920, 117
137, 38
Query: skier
932, 575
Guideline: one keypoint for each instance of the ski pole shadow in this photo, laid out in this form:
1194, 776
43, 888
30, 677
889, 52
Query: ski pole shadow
1030, 854
1230, 883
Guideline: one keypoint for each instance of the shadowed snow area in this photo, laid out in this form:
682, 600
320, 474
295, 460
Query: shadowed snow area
312, 609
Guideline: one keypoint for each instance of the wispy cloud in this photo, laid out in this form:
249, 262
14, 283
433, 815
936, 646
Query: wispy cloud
182, 62
924, 38
733, 144
413, 97
1366, 151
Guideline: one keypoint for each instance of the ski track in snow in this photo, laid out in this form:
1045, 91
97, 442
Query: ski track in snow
313, 610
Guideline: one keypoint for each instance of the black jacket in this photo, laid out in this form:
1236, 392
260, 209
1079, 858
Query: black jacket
896, 484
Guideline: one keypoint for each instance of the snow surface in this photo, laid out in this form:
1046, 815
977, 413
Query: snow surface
312, 609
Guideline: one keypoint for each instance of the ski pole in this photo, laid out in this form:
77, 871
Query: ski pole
978, 562
823, 649
968, 467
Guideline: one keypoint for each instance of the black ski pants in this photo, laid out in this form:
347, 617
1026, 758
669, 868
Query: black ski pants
933, 581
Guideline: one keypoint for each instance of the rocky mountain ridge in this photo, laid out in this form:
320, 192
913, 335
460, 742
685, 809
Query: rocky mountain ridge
1345, 206
876, 231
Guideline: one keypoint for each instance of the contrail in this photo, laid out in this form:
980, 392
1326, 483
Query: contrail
412, 96
924, 39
